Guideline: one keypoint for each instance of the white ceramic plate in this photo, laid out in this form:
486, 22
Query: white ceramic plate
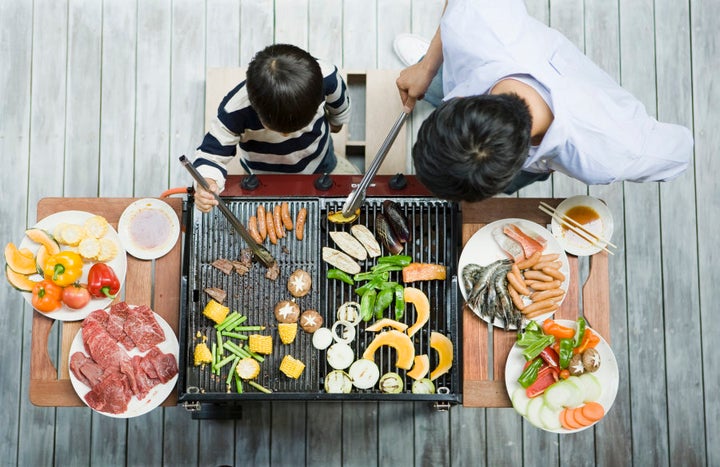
482, 249
607, 374
157, 394
149, 228
118, 263
603, 226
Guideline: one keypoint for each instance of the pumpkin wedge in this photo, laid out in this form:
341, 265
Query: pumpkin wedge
444, 347
387, 323
402, 344
420, 367
422, 308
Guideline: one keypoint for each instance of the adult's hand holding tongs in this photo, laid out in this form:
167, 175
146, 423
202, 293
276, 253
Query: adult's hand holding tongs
356, 198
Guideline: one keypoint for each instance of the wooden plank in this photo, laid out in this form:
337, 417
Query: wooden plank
396, 444
325, 31
46, 142
396, 19
287, 432
152, 137
432, 429
359, 35
681, 287
222, 48
382, 110
291, 22
324, 422
360, 421
256, 26
216, 442
468, 434
16, 23
705, 63
252, 435
648, 398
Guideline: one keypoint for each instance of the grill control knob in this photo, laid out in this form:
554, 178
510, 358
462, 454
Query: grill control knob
250, 182
323, 182
398, 182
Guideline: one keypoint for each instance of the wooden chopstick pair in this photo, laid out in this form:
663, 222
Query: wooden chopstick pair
577, 228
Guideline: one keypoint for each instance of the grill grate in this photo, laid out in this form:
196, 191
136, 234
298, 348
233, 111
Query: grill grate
435, 239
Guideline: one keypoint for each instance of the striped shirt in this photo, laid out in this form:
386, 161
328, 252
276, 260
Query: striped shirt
305, 151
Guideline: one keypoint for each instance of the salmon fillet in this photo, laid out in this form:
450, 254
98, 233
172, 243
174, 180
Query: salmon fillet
529, 244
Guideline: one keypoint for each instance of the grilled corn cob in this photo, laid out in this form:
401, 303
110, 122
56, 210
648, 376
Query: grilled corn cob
247, 368
216, 311
287, 332
96, 226
202, 354
292, 367
260, 344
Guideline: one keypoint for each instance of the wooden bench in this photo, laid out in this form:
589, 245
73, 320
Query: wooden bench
375, 107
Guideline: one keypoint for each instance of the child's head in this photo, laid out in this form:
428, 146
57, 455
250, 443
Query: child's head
285, 87
471, 148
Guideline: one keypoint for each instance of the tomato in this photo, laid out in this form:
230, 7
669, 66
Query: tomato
75, 296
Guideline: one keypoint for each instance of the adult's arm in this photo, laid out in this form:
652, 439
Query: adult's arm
414, 80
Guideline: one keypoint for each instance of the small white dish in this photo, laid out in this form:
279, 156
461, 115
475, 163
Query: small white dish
148, 228
592, 214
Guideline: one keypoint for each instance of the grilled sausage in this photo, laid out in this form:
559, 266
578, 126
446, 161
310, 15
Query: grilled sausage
541, 311
535, 306
300, 223
517, 284
253, 230
277, 222
271, 228
516, 298
545, 294
285, 215
537, 276
540, 285
262, 223
554, 273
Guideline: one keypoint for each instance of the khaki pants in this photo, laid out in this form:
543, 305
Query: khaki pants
344, 166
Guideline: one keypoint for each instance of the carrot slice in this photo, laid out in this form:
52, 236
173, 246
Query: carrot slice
563, 420
581, 419
593, 411
570, 420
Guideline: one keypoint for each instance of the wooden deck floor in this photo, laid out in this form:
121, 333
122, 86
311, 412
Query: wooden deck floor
100, 98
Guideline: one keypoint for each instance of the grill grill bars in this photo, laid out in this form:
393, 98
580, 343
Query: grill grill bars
435, 239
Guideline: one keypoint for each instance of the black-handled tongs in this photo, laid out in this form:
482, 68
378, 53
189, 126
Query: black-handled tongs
260, 252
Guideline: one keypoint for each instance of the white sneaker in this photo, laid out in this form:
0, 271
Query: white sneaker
410, 48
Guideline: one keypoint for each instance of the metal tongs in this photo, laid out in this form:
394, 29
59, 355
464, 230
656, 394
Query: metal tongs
357, 197
260, 252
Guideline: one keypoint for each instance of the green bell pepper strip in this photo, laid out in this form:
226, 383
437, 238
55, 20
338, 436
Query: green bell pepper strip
340, 275
399, 301
395, 260
367, 304
380, 268
530, 374
534, 349
383, 300
581, 325
566, 352
369, 276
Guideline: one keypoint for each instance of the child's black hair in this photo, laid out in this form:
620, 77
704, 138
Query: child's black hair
285, 87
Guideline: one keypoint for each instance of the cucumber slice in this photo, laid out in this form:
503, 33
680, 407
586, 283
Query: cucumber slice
520, 400
557, 396
550, 418
577, 392
593, 387
533, 411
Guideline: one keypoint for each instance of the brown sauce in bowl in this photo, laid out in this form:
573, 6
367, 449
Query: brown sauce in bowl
588, 218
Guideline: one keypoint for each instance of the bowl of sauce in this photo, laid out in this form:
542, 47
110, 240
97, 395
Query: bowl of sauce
592, 214
148, 228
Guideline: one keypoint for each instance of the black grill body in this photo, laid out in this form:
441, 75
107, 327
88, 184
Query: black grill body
435, 227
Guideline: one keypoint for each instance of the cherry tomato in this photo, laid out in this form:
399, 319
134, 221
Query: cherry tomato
75, 296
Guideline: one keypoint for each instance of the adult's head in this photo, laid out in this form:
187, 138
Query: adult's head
285, 87
470, 148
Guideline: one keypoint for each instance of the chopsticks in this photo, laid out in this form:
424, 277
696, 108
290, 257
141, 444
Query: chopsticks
594, 239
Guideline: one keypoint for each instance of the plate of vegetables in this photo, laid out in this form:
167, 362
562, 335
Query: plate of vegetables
561, 375
68, 265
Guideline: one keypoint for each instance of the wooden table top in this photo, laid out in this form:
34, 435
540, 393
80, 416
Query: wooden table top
483, 371
50, 387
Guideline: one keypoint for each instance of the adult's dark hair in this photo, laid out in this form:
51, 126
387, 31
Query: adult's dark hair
470, 148
285, 87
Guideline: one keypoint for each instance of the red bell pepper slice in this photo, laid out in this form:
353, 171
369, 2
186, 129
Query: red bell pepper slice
546, 377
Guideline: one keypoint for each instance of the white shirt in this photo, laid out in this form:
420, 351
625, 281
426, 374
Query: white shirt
600, 132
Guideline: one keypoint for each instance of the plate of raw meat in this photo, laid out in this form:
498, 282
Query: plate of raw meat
123, 362
513, 271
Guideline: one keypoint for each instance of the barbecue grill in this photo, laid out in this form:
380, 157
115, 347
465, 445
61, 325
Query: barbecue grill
435, 227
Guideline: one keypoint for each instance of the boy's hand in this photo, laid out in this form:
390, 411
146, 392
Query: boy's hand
204, 200
335, 128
